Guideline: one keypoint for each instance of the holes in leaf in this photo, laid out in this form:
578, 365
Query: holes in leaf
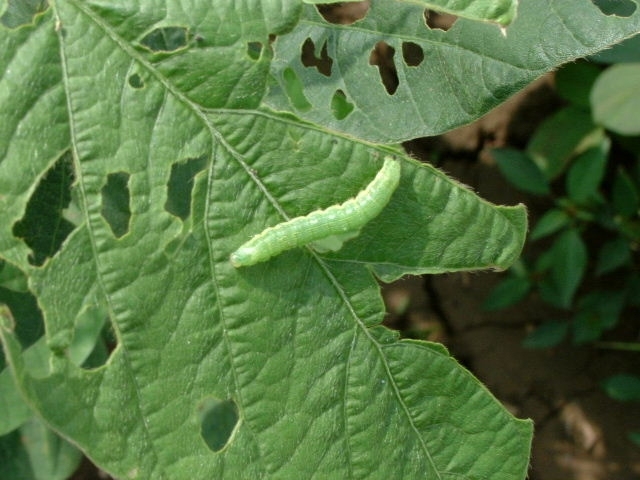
294, 88
28, 324
254, 50
344, 13
180, 185
12, 278
340, 106
115, 203
166, 39
218, 419
136, 81
309, 59
619, 8
439, 21
382, 57
412, 54
43, 226
92, 339
22, 12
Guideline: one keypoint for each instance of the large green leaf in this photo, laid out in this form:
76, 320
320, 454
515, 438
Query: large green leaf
498, 11
176, 161
437, 80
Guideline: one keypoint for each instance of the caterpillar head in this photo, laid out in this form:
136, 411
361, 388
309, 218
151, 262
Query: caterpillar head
245, 256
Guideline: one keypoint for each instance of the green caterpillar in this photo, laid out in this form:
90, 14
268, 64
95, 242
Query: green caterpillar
325, 229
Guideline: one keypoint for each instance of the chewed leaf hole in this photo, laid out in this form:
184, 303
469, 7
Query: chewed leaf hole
294, 88
309, 58
22, 12
136, 81
412, 54
93, 340
43, 226
254, 50
344, 13
619, 8
340, 106
115, 203
180, 186
25, 316
218, 419
439, 21
166, 39
382, 57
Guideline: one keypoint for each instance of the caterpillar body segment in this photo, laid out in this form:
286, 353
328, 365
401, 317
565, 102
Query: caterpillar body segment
325, 229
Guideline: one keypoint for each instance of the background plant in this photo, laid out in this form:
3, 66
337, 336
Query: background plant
141, 144
590, 173
585, 160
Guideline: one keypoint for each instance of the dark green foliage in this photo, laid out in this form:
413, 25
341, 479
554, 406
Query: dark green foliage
600, 200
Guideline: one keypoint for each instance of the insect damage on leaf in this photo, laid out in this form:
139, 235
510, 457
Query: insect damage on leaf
325, 229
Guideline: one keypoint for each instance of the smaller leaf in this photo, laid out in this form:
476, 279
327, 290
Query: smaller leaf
635, 438
518, 168
578, 212
587, 328
613, 255
508, 292
574, 81
586, 172
545, 285
569, 255
543, 262
623, 387
550, 293
552, 221
598, 311
625, 195
558, 138
548, 334
615, 99
607, 304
